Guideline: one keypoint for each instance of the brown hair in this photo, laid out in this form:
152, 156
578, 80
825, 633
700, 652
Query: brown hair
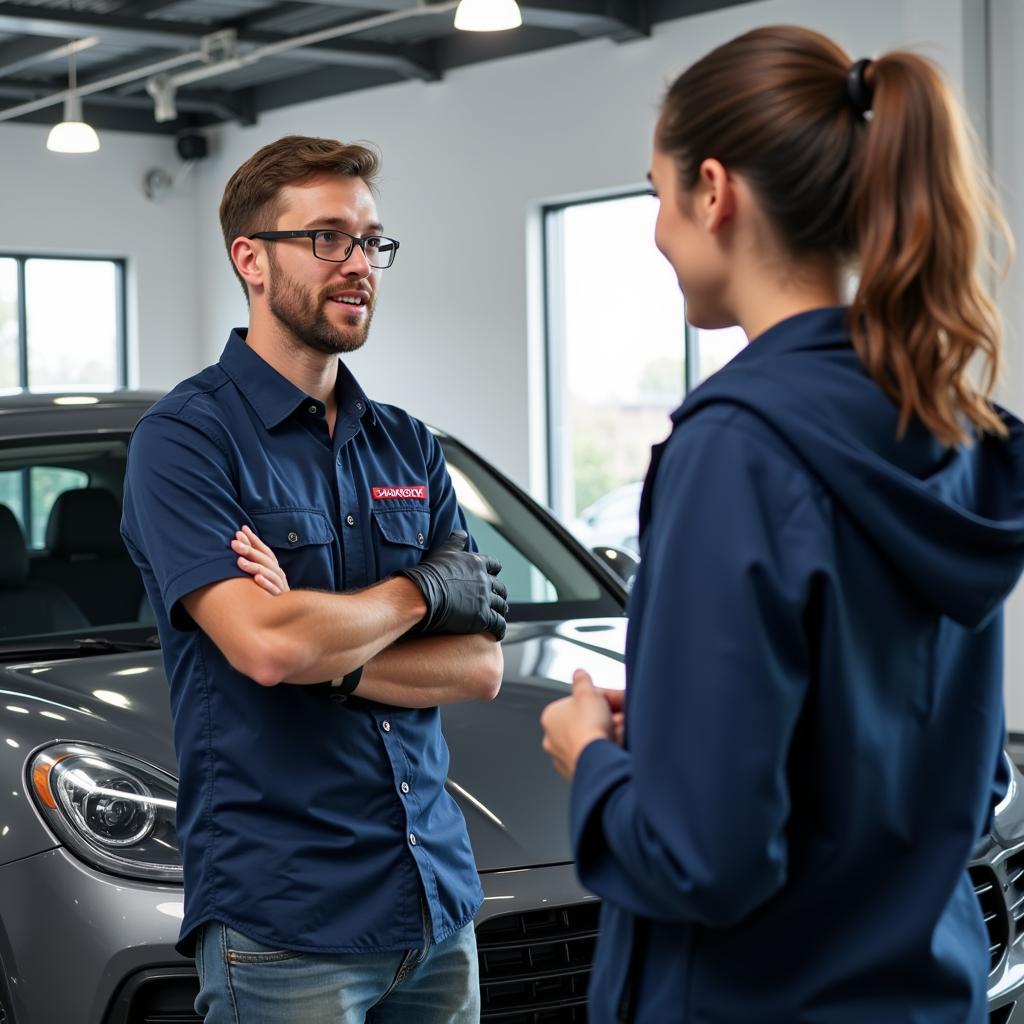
900, 191
250, 201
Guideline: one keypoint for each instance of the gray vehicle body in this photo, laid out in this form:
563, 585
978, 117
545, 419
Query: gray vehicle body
80, 944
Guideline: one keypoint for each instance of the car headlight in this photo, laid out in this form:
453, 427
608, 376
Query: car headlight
111, 809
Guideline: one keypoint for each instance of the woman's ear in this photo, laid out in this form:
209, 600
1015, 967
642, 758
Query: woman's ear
716, 196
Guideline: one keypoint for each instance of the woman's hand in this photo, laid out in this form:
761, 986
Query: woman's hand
573, 722
255, 558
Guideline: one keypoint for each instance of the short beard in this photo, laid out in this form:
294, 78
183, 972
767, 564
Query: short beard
307, 321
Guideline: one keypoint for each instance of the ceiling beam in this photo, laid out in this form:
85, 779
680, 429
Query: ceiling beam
124, 119
138, 8
221, 105
177, 35
355, 5
404, 61
18, 54
666, 10
112, 28
316, 85
463, 48
616, 19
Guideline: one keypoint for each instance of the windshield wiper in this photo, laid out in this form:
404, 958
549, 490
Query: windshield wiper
104, 645
62, 647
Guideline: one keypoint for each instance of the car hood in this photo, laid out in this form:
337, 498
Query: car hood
515, 804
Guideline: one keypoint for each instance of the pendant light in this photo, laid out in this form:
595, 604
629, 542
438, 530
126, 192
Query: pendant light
72, 134
488, 15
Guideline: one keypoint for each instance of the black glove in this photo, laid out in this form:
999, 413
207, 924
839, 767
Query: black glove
460, 589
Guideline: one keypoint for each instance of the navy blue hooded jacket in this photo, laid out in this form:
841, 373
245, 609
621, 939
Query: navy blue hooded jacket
814, 714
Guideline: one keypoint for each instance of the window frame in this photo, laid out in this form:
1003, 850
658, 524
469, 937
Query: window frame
120, 300
554, 359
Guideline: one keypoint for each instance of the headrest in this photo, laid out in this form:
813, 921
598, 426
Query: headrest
84, 522
13, 556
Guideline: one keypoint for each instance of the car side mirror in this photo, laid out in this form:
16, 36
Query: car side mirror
621, 562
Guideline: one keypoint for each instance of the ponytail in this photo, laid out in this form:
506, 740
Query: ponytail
898, 191
921, 215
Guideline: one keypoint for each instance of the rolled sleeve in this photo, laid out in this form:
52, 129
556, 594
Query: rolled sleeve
181, 510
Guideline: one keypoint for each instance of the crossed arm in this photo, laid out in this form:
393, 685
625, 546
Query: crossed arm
274, 634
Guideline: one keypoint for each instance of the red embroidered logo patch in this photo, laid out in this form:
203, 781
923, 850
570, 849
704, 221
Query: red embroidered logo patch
412, 491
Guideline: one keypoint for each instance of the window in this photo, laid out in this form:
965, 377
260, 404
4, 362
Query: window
711, 350
620, 358
62, 324
616, 360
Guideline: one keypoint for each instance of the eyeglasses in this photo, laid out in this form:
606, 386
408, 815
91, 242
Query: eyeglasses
336, 246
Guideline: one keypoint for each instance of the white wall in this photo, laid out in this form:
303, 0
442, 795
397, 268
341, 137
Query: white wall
1007, 143
93, 205
472, 156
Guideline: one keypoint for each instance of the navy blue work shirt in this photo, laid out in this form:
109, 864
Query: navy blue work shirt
814, 706
304, 822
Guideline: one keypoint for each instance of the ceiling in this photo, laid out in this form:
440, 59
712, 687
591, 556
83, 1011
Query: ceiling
171, 66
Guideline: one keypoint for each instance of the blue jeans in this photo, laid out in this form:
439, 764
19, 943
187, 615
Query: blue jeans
242, 981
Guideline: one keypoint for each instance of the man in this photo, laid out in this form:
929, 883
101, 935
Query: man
328, 874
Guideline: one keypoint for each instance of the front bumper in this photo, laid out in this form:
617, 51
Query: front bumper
81, 947
70, 937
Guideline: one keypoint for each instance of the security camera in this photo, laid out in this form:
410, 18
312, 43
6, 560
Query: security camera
192, 146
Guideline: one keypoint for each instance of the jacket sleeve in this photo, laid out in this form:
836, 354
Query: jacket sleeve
689, 821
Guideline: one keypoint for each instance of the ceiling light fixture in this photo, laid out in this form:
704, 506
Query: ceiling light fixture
488, 15
72, 135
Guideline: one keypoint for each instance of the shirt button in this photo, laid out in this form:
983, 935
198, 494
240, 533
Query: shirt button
312, 410
293, 537
351, 520
386, 725
405, 787
420, 539
412, 839
359, 406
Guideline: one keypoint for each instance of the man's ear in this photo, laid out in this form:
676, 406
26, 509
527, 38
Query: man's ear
250, 261
716, 202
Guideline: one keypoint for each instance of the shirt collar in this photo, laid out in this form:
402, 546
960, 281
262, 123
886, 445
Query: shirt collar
350, 396
273, 396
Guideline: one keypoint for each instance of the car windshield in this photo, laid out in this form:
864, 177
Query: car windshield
64, 571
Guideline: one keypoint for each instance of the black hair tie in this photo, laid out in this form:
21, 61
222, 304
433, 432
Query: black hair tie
858, 94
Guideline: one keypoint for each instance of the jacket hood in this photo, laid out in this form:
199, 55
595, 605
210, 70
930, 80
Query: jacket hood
950, 520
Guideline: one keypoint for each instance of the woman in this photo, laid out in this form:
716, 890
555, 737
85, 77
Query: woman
813, 722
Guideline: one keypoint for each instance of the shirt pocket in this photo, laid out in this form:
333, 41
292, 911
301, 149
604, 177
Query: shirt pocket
400, 536
303, 541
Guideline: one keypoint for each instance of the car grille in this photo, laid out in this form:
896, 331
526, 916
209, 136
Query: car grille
993, 909
157, 996
1002, 1015
534, 969
1014, 868
534, 966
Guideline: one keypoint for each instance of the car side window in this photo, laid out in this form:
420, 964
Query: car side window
525, 582
46, 484
543, 575
29, 492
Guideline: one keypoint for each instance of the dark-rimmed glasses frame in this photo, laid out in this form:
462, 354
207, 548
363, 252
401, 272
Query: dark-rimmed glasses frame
385, 249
